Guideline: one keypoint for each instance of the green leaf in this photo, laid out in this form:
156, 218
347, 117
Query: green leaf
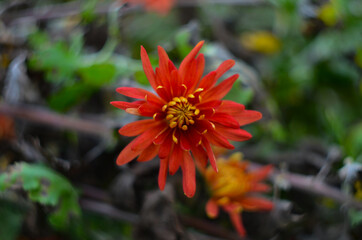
57, 60
353, 141
98, 74
141, 78
69, 96
182, 40
11, 220
46, 187
355, 217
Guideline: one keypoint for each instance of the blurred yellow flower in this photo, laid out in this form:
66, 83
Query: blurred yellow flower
234, 189
261, 41
358, 57
358, 189
328, 14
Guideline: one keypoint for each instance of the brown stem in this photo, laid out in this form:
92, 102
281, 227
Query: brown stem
75, 8
42, 116
312, 185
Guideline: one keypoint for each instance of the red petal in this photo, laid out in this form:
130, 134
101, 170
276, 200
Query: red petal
259, 187
224, 67
171, 66
166, 147
220, 90
136, 128
127, 154
163, 93
147, 68
162, 174
164, 83
200, 69
202, 125
188, 76
235, 134
208, 81
209, 104
217, 139
261, 173
125, 105
210, 153
188, 175
255, 203
185, 63
193, 73
160, 6
146, 138
159, 139
175, 84
235, 218
184, 142
149, 153
224, 119
163, 61
247, 116
200, 156
133, 92
164, 68
148, 109
208, 112
175, 159
194, 137
212, 209
231, 107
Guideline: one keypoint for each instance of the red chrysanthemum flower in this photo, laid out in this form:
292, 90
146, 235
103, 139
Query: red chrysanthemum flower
188, 116
160, 6
233, 189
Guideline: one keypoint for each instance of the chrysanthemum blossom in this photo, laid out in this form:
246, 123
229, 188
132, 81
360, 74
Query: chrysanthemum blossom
160, 6
234, 189
187, 116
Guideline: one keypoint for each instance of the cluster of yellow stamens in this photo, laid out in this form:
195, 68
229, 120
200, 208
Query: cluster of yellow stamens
180, 113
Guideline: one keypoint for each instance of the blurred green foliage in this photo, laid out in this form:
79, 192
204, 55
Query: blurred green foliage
314, 81
46, 187
312, 86
11, 220
75, 74
101, 228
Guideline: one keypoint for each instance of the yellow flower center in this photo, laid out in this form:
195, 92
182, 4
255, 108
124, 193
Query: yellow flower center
180, 113
230, 181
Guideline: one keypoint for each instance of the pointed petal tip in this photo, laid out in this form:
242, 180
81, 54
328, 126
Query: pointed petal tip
189, 194
143, 53
259, 116
161, 186
212, 209
248, 136
201, 43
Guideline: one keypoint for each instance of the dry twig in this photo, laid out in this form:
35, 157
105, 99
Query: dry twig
46, 117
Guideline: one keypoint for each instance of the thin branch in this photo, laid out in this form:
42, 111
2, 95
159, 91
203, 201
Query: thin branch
95, 200
75, 8
42, 116
223, 2
61, 10
209, 228
115, 213
109, 211
313, 185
